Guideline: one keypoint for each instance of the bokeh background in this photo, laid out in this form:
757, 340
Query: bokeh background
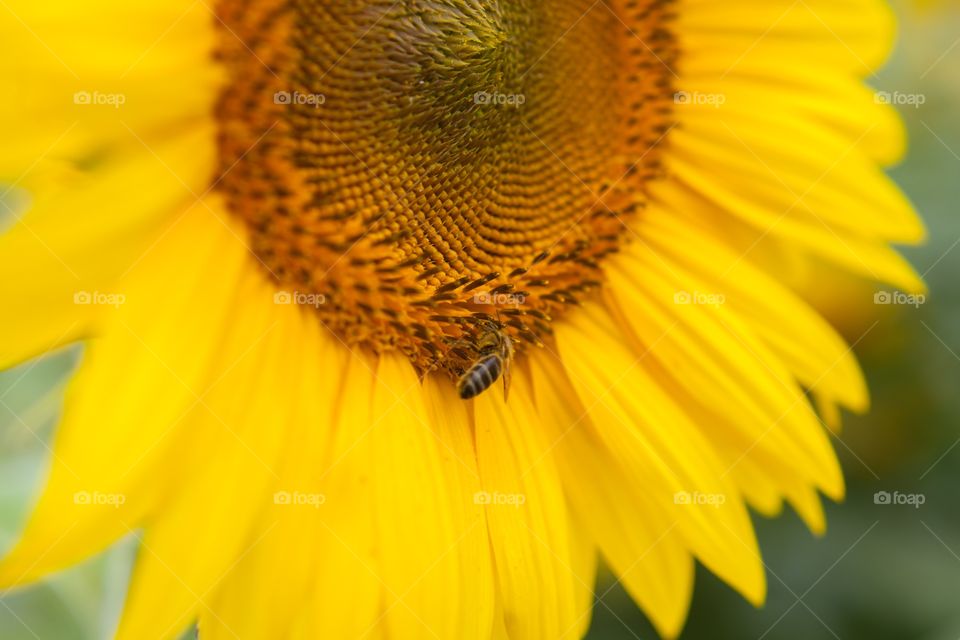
882, 571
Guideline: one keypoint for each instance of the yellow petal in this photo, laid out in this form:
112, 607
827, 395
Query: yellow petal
229, 462
639, 541
660, 449
825, 181
698, 190
66, 102
808, 346
137, 411
811, 98
526, 517
448, 417
426, 517
710, 353
853, 36
346, 598
279, 570
67, 254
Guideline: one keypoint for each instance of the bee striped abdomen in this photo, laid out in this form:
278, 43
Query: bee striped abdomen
479, 377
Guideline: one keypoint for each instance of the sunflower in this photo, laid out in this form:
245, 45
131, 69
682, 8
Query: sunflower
291, 236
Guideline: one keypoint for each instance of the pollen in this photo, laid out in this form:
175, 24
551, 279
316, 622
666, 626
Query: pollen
427, 167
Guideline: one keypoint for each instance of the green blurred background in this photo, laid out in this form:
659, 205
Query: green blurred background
881, 571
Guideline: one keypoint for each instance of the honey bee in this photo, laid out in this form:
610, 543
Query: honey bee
494, 356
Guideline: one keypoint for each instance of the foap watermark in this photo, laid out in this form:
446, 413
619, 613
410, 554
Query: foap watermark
696, 498
915, 500
699, 298
499, 299
299, 499
99, 99
499, 499
98, 298
99, 499
298, 98
315, 300
500, 99
898, 298
898, 99
699, 98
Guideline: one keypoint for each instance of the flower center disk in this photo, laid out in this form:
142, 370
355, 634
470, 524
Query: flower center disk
418, 170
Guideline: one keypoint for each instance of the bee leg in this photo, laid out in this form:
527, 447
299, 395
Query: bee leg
506, 381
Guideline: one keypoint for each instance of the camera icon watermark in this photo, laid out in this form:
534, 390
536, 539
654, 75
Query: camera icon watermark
698, 98
699, 298
499, 99
500, 299
895, 498
898, 298
97, 298
496, 498
97, 499
315, 300
299, 499
695, 498
96, 98
314, 100
898, 99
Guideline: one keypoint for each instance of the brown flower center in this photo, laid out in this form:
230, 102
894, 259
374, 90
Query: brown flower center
416, 169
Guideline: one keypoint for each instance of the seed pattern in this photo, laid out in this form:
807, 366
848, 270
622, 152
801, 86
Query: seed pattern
432, 166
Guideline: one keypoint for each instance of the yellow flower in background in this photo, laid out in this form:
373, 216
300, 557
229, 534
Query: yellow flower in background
289, 234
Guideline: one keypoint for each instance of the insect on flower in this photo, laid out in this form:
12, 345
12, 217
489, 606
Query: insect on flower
494, 356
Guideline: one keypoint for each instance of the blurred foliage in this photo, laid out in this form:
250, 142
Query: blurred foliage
881, 572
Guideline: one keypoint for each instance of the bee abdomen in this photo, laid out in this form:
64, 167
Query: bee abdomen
480, 377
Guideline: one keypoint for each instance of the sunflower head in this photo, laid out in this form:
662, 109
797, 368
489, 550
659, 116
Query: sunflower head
459, 164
